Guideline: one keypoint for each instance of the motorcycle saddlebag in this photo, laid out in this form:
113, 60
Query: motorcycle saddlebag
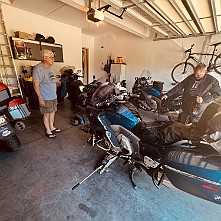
18, 109
195, 169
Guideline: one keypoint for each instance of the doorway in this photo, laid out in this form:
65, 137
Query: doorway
85, 71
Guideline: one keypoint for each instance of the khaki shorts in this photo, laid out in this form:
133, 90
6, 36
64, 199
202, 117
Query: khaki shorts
50, 106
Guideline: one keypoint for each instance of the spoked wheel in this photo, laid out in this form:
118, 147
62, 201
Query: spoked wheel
217, 64
181, 71
150, 104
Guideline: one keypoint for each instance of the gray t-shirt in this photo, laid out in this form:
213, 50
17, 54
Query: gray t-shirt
47, 84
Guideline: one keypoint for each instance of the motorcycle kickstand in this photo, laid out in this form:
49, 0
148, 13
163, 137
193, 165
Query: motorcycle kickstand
131, 174
92, 140
106, 162
157, 182
86, 177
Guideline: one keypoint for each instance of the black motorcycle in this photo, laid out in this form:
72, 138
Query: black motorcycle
72, 86
165, 150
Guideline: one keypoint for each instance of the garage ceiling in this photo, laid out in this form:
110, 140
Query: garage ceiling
169, 19
175, 18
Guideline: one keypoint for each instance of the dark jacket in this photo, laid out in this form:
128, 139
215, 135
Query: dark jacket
208, 88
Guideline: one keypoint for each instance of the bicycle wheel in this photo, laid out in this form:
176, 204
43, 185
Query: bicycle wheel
217, 64
178, 74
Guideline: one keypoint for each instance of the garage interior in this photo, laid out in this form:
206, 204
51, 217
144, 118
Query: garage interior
150, 35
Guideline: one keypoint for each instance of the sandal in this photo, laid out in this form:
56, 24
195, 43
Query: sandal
50, 135
57, 130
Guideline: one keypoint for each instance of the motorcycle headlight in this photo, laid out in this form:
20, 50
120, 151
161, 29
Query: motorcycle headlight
81, 88
3, 120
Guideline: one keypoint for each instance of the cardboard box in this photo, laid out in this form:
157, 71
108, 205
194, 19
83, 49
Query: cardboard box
20, 34
31, 37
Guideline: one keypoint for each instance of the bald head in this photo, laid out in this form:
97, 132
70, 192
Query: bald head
200, 71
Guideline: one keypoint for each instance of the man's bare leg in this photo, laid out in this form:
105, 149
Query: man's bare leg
46, 121
51, 121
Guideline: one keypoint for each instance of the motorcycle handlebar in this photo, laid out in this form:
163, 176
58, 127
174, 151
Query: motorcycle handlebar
107, 102
134, 95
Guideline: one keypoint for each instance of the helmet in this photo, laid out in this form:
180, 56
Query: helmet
67, 67
39, 37
50, 39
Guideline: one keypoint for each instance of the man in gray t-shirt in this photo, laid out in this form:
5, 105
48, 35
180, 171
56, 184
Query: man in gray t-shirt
45, 88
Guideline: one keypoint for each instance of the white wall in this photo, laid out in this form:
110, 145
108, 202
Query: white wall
68, 36
159, 57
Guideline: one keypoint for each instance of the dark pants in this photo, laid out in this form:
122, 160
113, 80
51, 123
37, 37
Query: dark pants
208, 114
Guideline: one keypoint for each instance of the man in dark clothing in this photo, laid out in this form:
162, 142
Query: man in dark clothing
199, 89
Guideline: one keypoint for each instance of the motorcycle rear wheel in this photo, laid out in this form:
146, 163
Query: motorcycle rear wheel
12, 144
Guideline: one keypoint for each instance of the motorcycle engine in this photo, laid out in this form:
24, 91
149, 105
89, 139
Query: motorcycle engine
125, 144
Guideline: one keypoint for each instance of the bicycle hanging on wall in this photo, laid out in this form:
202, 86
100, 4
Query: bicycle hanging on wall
183, 69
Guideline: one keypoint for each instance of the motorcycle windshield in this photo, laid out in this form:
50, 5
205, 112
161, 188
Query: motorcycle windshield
121, 115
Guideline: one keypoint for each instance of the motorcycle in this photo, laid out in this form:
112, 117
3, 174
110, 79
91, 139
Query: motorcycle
163, 149
12, 111
148, 92
71, 84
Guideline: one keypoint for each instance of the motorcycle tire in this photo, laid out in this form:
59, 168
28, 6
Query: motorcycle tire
12, 144
151, 104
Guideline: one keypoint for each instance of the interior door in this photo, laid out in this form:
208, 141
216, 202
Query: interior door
85, 69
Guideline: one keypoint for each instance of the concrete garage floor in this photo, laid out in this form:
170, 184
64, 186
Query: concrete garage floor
36, 183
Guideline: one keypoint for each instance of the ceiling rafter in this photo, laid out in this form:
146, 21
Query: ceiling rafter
137, 16
192, 12
141, 6
162, 14
181, 14
168, 19
213, 9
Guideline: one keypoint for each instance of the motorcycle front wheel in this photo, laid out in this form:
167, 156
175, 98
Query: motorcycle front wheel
150, 104
12, 144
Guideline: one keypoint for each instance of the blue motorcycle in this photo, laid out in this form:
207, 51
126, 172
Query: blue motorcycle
146, 94
165, 150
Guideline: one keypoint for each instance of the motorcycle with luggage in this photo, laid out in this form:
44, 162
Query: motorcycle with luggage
165, 150
147, 95
13, 110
